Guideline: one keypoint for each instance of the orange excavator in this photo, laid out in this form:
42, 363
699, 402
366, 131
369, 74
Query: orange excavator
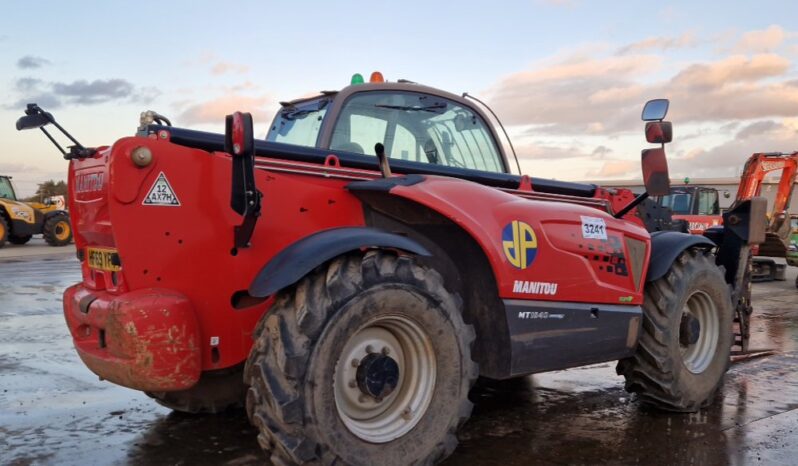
777, 236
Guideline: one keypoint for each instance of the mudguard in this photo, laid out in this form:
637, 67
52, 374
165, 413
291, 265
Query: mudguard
559, 260
666, 246
53, 213
301, 257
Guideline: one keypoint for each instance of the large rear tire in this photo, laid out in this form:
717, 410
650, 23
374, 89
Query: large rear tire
686, 339
215, 392
57, 230
365, 361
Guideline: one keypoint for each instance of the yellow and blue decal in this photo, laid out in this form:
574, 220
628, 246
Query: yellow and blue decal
520, 244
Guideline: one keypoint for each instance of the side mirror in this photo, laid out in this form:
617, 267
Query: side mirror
659, 132
239, 137
37, 120
655, 172
655, 110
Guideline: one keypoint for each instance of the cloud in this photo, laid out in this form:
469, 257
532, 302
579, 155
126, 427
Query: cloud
27, 84
80, 92
758, 128
31, 62
44, 100
576, 94
659, 43
213, 111
217, 65
224, 67
615, 169
604, 94
748, 94
732, 70
94, 92
765, 40
601, 152
727, 158
145, 95
548, 152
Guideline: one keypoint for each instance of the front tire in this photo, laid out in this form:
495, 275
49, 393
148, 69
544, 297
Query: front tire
686, 338
366, 361
57, 230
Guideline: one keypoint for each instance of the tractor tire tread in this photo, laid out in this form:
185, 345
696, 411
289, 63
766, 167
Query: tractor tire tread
281, 353
651, 372
49, 230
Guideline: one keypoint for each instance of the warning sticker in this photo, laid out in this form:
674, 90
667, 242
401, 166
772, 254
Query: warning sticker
161, 193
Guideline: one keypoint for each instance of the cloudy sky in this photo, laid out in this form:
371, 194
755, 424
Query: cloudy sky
568, 77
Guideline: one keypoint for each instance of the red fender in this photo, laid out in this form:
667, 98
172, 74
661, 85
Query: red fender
573, 253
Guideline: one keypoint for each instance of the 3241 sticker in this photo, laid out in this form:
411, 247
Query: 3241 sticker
594, 228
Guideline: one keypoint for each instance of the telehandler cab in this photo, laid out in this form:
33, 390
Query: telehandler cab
348, 278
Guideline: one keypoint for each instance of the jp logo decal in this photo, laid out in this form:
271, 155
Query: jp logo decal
520, 244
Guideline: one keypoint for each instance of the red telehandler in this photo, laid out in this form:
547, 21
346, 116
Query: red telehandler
348, 278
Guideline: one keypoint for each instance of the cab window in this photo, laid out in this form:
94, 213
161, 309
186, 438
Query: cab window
298, 124
708, 203
679, 202
417, 127
6, 190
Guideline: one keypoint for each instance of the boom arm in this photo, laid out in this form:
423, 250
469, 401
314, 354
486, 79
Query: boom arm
760, 165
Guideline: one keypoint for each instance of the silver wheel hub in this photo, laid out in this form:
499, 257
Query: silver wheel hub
384, 379
699, 332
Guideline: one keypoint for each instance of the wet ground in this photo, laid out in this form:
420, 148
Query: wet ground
54, 411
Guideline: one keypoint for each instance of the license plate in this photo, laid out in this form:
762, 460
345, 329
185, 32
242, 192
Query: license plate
103, 259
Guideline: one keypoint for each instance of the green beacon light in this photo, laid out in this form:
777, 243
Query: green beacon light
686, 180
357, 78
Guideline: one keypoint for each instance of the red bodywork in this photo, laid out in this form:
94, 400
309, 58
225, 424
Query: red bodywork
168, 313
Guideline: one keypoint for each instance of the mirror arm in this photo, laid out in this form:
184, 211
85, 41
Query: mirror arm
635, 202
76, 151
52, 139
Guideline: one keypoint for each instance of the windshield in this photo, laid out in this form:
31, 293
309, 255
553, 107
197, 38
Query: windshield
6, 191
299, 124
417, 127
680, 202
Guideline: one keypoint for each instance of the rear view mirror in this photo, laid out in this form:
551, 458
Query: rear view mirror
37, 120
659, 132
655, 172
655, 110
238, 134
